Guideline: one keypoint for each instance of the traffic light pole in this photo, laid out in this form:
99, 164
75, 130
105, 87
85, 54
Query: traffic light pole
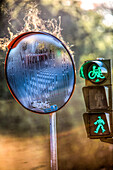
53, 141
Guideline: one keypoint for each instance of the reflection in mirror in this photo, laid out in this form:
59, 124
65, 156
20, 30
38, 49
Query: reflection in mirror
40, 72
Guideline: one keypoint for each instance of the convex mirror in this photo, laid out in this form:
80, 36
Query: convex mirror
40, 72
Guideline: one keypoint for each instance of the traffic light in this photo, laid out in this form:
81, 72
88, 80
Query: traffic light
98, 97
96, 72
98, 125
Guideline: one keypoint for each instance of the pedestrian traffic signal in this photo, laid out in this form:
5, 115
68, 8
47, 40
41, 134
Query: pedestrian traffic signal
96, 72
97, 98
97, 125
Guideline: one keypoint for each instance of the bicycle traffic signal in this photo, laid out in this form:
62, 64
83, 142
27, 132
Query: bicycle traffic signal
96, 72
98, 97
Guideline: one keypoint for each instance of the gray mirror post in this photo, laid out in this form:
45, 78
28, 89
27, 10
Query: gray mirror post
53, 141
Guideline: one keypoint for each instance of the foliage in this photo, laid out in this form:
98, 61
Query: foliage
85, 30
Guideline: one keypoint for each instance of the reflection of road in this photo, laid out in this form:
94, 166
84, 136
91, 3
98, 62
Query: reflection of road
41, 77
50, 86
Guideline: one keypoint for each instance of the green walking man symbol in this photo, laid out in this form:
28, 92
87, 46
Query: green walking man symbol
100, 122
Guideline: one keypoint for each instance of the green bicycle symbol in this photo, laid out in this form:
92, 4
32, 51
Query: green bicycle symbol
96, 73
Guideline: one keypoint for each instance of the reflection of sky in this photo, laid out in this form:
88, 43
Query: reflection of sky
108, 119
92, 4
102, 66
42, 79
43, 38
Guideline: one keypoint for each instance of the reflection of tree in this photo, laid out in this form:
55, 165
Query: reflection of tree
41, 46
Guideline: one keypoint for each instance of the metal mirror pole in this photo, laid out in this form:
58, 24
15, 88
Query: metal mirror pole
53, 141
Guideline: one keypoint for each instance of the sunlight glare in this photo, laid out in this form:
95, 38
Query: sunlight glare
108, 19
91, 4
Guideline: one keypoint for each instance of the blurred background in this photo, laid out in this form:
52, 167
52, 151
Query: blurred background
86, 27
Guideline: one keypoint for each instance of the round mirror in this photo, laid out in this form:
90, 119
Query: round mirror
40, 72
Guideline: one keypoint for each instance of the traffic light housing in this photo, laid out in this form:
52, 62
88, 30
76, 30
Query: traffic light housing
98, 97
